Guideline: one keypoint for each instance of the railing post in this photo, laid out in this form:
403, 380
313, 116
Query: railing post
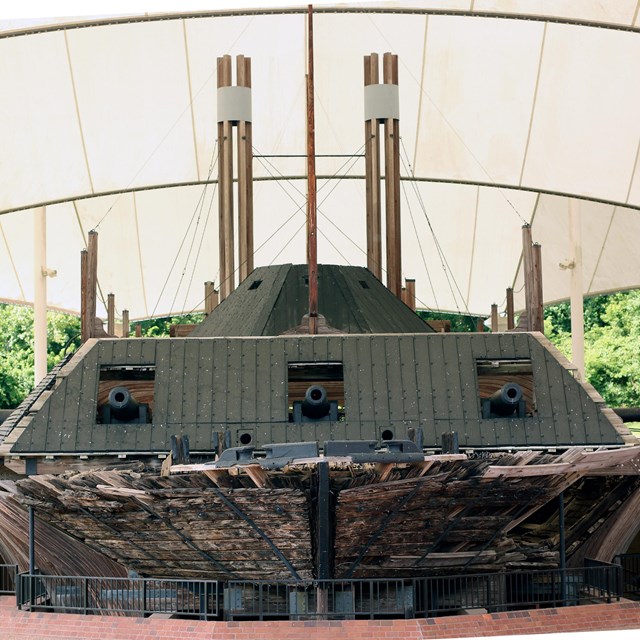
619, 582
204, 606
85, 595
144, 597
32, 541
563, 559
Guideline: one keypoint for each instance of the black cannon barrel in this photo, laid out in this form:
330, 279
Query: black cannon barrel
505, 400
315, 404
122, 404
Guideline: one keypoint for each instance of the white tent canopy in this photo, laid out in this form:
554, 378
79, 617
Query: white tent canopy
508, 109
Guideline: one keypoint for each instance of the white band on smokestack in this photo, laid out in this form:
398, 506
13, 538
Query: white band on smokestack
234, 104
381, 101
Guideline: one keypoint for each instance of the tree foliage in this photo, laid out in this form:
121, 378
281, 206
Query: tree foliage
16, 348
159, 327
612, 343
63, 336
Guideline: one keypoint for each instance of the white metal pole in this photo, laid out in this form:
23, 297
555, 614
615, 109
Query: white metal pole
40, 293
577, 302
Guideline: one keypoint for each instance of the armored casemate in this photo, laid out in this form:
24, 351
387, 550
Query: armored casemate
256, 426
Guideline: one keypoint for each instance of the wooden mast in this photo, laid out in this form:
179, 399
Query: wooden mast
245, 178
225, 188
372, 175
312, 240
392, 184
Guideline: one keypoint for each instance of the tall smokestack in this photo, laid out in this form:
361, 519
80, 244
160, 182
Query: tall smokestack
382, 105
234, 109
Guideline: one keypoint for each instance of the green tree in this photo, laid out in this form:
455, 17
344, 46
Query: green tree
612, 343
16, 348
159, 327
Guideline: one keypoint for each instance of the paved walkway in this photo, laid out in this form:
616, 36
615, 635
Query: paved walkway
18, 625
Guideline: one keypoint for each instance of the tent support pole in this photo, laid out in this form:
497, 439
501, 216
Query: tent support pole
577, 301
40, 293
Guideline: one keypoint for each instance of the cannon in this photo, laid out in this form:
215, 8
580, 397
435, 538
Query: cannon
505, 402
122, 408
315, 406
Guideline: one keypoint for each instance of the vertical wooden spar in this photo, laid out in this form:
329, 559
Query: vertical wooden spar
510, 310
494, 318
111, 314
527, 265
372, 177
312, 239
92, 282
225, 188
210, 297
245, 178
538, 307
125, 323
392, 184
532, 264
411, 293
84, 322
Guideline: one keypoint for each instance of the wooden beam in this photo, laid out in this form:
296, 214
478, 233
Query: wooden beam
84, 307
537, 308
527, 265
510, 312
392, 185
111, 314
138, 331
312, 221
372, 177
225, 189
410, 286
125, 323
494, 318
210, 297
92, 281
323, 520
258, 475
245, 178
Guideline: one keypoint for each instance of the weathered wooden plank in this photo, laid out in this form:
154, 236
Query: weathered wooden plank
190, 372
409, 380
250, 411
394, 381
176, 382
234, 390
205, 433
163, 369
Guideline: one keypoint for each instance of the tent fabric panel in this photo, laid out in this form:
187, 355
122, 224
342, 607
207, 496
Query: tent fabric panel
41, 153
585, 135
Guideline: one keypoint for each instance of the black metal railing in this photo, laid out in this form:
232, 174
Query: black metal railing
327, 599
630, 563
139, 596
420, 597
8, 574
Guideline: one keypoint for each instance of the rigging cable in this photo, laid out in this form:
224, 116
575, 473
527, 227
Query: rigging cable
415, 230
174, 125
348, 164
199, 204
448, 123
202, 236
195, 232
443, 259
